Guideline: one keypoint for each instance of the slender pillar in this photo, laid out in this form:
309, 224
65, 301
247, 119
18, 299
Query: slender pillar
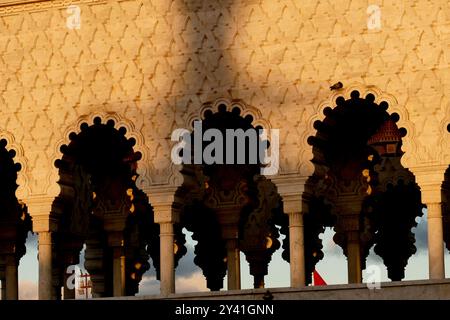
431, 180
167, 265
354, 257
11, 277
435, 241
45, 266
296, 249
233, 264
119, 272
166, 214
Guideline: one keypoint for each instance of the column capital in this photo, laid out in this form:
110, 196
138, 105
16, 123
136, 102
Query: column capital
430, 179
166, 214
166, 208
291, 188
40, 208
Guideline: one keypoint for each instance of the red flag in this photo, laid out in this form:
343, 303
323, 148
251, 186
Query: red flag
318, 280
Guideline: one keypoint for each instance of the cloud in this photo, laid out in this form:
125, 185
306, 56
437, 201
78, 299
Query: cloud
186, 266
188, 276
32, 240
148, 286
194, 282
28, 290
330, 248
421, 233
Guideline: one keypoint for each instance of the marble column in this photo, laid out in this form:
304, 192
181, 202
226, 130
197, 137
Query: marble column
431, 182
296, 249
295, 194
119, 271
167, 265
166, 214
11, 277
45, 266
435, 241
233, 264
354, 257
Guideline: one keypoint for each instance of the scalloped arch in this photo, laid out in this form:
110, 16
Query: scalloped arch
408, 145
23, 189
230, 105
119, 121
176, 178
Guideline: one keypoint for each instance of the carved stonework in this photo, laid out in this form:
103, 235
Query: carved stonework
101, 206
259, 235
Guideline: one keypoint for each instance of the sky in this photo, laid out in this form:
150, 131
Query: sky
189, 278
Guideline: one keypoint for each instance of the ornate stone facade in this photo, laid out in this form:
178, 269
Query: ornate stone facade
156, 65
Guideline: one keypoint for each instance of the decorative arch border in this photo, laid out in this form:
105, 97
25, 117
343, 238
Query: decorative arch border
119, 121
176, 178
445, 136
230, 105
408, 145
23, 189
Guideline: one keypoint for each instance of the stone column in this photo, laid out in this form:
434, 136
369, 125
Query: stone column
233, 264
11, 277
44, 224
354, 257
430, 180
167, 265
119, 271
296, 249
435, 241
348, 235
116, 243
228, 217
348, 232
166, 214
45, 266
293, 190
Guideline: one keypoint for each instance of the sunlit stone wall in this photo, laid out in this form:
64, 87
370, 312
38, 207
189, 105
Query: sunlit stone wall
151, 64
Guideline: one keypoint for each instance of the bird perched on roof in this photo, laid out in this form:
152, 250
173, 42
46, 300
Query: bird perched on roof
336, 86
